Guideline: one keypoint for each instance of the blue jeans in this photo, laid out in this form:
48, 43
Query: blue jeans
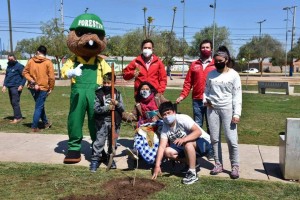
203, 147
14, 97
39, 111
199, 111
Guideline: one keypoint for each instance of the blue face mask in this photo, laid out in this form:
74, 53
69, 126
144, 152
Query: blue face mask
169, 119
145, 93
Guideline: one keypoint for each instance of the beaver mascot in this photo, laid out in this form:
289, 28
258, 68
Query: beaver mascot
86, 40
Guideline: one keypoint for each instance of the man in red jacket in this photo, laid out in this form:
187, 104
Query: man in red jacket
196, 80
147, 67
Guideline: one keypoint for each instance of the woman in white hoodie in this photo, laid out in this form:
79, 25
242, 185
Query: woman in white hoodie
223, 97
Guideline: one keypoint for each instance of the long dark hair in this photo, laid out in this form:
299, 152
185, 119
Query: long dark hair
138, 97
224, 52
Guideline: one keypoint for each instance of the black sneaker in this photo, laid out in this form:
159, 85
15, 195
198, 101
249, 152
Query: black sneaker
190, 178
94, 165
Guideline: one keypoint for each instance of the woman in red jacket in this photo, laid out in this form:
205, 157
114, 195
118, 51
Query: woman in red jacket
147, 67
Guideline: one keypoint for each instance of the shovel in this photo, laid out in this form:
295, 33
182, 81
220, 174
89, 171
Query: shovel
111, 135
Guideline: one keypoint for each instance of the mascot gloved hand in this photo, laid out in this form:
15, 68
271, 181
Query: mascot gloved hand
86, 40
75, 72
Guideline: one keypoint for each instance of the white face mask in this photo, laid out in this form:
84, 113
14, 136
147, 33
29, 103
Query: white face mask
145, 93
147, 52
169, 119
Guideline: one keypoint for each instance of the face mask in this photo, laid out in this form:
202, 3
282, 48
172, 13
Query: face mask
145, 93
147, 52
205, 53
220, 65
169, 119
11, 63
106, 89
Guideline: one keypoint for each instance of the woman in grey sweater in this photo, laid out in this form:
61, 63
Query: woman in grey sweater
223, 97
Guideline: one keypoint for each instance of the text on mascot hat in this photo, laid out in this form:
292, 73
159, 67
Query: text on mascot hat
88, 21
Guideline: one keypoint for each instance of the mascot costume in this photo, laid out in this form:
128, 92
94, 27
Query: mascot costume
86, 40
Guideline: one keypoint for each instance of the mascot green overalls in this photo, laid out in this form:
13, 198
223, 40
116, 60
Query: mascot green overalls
86, 40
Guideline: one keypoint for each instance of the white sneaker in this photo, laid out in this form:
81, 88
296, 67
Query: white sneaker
190, 178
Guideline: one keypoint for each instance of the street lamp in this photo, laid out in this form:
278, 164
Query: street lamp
260, 22
214, 6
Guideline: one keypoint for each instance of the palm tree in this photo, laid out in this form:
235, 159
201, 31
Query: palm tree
144, 28
171, 34
150, 20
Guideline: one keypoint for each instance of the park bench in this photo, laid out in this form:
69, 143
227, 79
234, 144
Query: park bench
262, 85
289, 150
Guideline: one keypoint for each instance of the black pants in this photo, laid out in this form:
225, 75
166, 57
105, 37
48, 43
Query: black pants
14, 97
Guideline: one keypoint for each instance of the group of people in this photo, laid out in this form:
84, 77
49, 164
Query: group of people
161, 132
39, 73
216, 96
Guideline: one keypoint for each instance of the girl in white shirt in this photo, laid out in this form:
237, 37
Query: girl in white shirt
223, 97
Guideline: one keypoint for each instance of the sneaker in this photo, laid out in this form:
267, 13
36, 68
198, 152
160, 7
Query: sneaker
217, 169
94, 165
15, 121
235, 172
35, 130
190, 178
132, 153
210, 155
48, 125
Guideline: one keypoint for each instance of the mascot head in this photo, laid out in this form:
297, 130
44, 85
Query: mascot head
87, 36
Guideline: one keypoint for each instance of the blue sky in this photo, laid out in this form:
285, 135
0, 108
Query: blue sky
121, 16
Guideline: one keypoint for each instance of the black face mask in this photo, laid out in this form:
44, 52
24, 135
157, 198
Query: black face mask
11, 63
220, 65
106, 89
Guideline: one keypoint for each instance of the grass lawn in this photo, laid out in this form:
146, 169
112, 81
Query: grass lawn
39, 181
263, 116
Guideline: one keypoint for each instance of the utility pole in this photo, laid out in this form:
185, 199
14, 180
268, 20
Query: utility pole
214, 6
62, 14
10, 27
292, 43
260, 22
260, 59
286, 36
183, 34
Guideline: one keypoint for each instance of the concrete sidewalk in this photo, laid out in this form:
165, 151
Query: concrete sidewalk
257, 162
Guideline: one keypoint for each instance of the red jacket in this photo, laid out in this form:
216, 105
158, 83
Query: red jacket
156, 74
196, 79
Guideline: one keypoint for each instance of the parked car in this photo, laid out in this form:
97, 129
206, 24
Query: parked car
251, 70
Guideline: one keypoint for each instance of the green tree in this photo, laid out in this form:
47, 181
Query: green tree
52, 37
278, 59
221, 38
56, 41
150, 20
131, 42
114, 46
27, 46
260, 48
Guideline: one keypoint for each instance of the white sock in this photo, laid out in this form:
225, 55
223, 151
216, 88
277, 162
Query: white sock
193, 170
